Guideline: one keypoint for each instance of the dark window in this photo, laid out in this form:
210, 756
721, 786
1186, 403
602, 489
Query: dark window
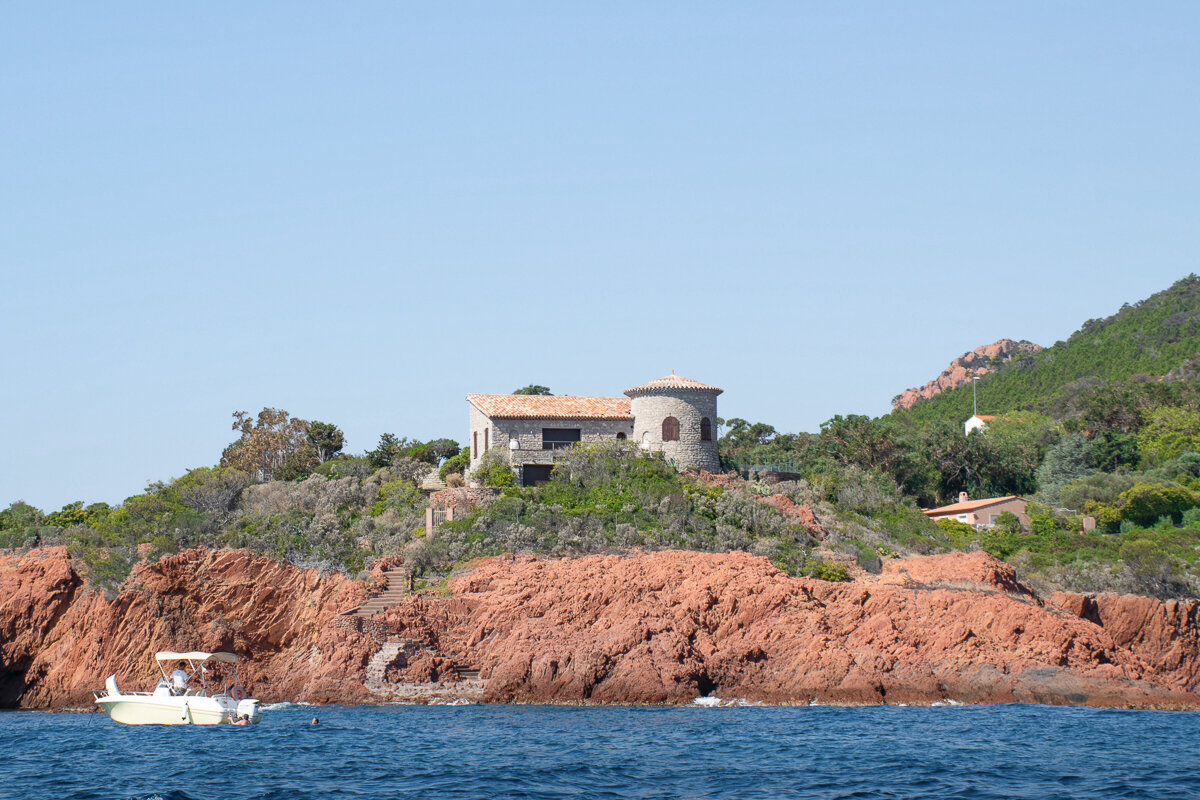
670, 430
555, 438
705, 430
620, 435
533, 474
475, 444
486, 431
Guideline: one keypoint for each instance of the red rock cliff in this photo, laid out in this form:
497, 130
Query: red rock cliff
665, 627
652, 628
58, 641
963, 368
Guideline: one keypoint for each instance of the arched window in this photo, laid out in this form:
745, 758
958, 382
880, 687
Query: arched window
670, 430
705, 430
620, 435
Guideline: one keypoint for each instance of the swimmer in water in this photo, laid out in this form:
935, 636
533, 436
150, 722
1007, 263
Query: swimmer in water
315, 721
242, 720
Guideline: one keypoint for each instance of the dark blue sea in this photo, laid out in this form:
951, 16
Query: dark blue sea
546, 752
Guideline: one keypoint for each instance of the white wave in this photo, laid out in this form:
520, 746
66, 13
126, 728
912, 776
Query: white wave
945, 702
719, 702
282, 706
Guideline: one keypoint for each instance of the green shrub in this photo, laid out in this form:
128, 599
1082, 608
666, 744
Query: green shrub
1144, 503
1008, 522
829, 571
959, 534
19, 516
456, 464
493, 470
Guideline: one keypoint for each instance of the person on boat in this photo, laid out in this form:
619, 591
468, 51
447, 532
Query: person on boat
179, 681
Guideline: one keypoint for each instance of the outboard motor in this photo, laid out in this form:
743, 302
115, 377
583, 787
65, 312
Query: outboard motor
251, 709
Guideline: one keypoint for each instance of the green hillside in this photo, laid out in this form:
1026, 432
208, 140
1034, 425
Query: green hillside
1150, 337
1107, 455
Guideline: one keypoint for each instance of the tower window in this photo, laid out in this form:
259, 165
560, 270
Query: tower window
670, 430
705, 430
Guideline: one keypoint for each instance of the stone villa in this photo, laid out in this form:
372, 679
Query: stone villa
672, 415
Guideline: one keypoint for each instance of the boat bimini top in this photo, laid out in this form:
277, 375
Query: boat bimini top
196, 659
196, 655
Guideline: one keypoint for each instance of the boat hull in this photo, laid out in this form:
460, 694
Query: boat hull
176, 710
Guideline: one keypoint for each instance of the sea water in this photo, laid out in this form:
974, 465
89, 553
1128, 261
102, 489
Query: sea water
548, 752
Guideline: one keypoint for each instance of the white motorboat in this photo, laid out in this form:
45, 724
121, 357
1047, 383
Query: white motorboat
184, 697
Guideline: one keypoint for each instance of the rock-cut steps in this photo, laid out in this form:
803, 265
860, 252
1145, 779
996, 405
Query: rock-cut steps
378, 664
397, 588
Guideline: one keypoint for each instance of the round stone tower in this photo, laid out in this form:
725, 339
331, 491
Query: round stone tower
677, 416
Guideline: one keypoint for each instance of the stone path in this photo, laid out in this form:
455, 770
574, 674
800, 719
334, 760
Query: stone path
377, 666
469, 689
397, 588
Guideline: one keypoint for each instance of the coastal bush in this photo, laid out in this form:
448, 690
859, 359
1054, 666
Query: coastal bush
19, 516
1100, 488
1144, 503
828, 571
960, 535
493, 470
211, 489
344, 466
456, 464
612, 496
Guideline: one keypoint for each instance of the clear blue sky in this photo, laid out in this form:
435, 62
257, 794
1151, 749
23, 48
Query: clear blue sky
360, 212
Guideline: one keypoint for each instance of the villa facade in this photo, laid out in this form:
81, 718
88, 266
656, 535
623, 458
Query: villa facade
673, 415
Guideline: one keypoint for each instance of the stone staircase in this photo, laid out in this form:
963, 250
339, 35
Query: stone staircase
397, 588
377, 666
396, 648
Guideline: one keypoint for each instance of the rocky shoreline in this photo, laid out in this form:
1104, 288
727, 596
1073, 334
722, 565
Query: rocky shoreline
649, 628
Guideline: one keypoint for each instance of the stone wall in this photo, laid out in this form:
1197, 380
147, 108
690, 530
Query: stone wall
500, 434
462, 498
689, 407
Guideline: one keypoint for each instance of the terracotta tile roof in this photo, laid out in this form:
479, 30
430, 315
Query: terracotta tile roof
971, 505
984, 417
535, 406
673, 381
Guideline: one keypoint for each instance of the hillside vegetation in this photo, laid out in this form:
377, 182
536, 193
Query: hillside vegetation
1147, 338
1105, 425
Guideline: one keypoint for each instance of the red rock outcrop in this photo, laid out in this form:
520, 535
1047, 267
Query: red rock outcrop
665, 627
802, 513
963, 368
965, 570
58, 640
659, 627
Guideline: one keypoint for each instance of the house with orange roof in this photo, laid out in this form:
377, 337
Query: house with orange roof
672, 415
981, 513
